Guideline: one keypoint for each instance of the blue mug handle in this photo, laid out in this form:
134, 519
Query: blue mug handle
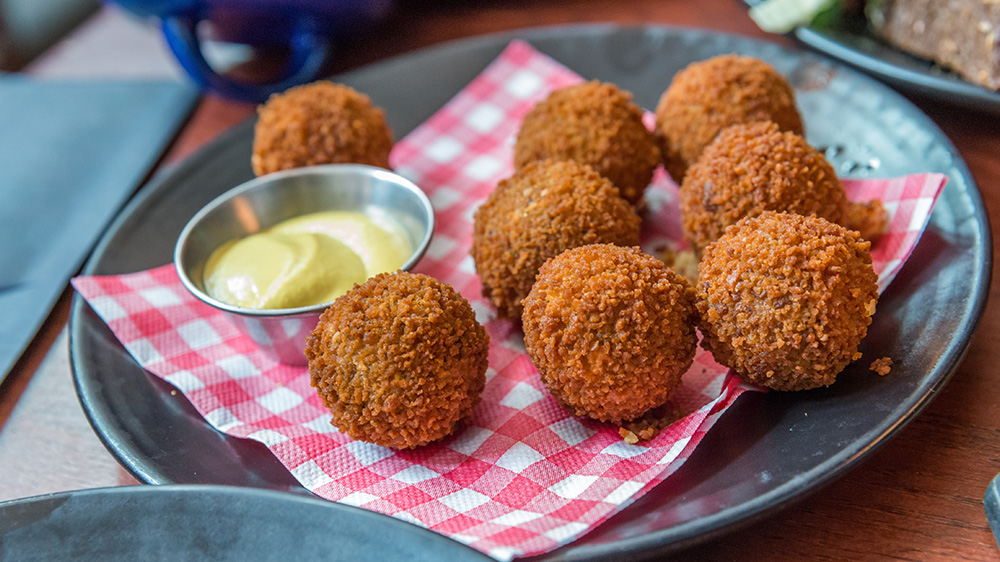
309, 50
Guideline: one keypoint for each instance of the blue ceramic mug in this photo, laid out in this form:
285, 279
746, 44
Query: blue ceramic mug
304, 30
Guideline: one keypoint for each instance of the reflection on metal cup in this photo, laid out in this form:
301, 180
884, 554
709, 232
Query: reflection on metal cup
268, 200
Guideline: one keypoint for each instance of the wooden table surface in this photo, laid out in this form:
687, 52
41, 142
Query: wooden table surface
919, 497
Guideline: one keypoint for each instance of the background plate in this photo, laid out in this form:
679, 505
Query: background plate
847, 37
767, 451
850, 41
222, 524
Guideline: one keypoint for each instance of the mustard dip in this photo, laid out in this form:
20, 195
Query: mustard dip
305, 261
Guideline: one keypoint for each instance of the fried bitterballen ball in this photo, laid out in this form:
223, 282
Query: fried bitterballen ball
596, 124
399, 360
319, 123
543, 209
611, 330
752, 168
708, 96
785, 300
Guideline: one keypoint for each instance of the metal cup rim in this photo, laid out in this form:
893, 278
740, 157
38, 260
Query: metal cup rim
276, 177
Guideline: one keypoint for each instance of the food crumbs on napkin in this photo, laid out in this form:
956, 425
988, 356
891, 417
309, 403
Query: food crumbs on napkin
523, 476
649, 425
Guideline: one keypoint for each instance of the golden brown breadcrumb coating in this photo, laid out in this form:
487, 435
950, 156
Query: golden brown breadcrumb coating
319, 123
882, 366
595, 124
543, 209
708, 96
611, 330
398, 360
752, 168
785, 300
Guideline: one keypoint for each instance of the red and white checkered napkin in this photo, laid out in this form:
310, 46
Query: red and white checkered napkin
521, 476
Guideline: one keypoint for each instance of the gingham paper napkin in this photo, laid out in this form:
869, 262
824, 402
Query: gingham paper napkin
521, 476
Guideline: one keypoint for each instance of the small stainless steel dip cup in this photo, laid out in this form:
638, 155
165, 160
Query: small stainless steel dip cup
268, 200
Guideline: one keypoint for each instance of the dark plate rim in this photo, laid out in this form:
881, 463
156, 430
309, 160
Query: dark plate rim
728, 519
304, 503
200, 489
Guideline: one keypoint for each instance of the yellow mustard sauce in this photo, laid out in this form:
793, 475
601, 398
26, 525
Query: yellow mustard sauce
305, 261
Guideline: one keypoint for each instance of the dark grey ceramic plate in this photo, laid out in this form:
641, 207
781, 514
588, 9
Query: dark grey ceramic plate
217, 523
762, 454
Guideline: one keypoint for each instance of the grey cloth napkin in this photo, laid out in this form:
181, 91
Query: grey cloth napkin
71, 155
